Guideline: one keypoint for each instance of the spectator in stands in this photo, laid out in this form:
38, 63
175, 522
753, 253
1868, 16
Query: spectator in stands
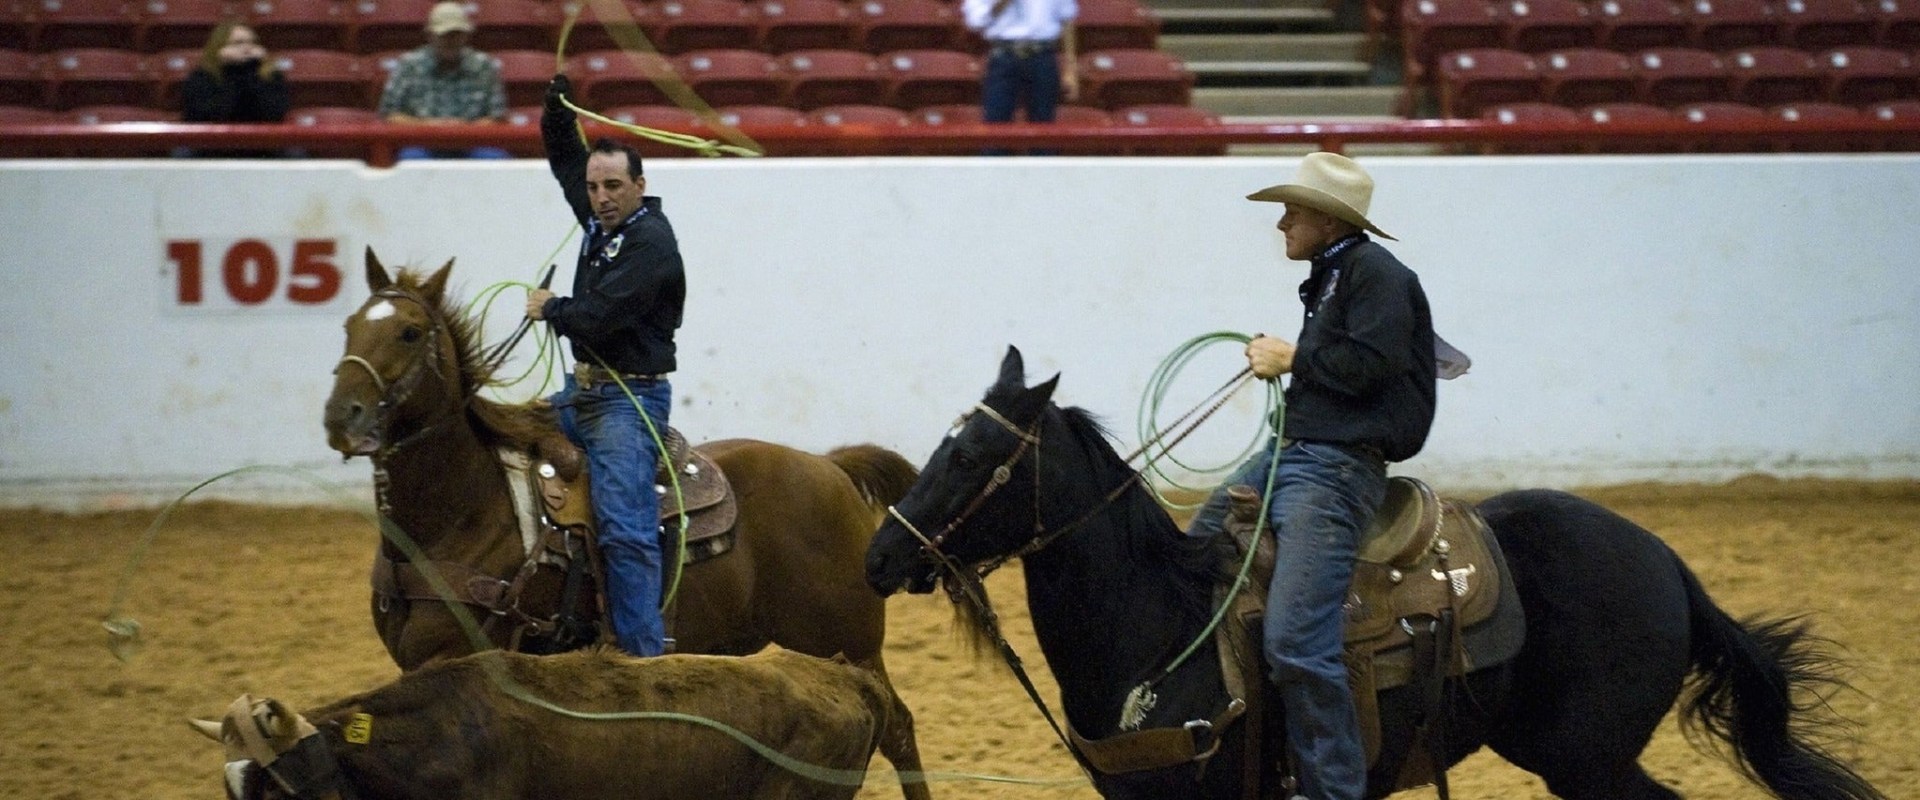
445, 82
1030, 56
234, 82
1362, 394
628, 289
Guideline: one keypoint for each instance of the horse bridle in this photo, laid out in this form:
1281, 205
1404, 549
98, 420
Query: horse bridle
1003, 474
392, 395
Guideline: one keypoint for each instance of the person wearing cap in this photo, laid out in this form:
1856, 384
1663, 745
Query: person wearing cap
445, 82
629, 287
1361, 394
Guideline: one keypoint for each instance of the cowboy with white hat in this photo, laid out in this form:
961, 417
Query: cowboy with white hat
1361, 395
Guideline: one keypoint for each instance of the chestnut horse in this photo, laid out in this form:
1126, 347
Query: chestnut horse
406, 395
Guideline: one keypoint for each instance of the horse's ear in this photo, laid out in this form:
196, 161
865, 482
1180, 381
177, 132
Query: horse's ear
1042, 393
436, 283
1013, 369
377, 278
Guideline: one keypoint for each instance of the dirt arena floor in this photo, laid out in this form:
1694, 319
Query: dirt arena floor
272, 601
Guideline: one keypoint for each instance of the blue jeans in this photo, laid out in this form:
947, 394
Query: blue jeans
414, 152
623, 458
1324, 497
1011, 78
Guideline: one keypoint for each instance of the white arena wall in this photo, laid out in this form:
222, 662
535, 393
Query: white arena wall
1631, 318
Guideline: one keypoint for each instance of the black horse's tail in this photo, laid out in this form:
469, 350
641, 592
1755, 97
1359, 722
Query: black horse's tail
881, 475
1762, 686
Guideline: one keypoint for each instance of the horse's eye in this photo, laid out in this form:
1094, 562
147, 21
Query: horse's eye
410, 335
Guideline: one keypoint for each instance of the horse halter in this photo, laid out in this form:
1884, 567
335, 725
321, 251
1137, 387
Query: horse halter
392, 395
1029, 438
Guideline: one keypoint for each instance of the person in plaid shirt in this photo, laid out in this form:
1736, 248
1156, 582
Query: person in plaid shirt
445, 82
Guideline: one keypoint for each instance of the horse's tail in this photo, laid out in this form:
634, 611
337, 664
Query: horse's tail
1761, 686
881, 475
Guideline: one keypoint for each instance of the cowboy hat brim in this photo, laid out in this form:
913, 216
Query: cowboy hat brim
1318, 201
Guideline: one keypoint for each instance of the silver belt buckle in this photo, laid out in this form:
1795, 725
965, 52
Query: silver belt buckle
583, 375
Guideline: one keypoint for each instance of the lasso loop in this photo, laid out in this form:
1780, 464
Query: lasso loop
621, 26
1155, 394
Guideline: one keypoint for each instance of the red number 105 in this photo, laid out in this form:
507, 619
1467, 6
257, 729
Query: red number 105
250, 271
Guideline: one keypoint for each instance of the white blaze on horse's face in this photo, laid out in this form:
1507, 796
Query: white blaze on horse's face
378, 311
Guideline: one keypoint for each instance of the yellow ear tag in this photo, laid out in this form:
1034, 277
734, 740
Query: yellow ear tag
359, 729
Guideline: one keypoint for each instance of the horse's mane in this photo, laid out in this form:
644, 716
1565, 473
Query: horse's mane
1194, 561
511, 425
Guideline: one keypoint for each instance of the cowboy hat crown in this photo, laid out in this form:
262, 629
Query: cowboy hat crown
1329, 183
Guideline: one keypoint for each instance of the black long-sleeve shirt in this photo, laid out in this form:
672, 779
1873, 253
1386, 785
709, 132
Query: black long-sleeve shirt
629, 285
238, 94
1363, 371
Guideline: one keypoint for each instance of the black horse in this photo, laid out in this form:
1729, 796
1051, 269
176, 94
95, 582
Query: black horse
1616, 625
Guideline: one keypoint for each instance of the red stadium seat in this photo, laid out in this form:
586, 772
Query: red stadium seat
1165, 116
1676, 76
168, 69
749, 116
1907, 110
917, 78
855, 114
71, 24
1585, 76
1536, 26
108, 114
1816, 112
18, 24
380, 25
326, 78
1116, 25
1896, 23
948, 115
96, 76
1115, 78
1473, 80
790, 25
515, 25
1769, 76
1633, 25
1433, 27
672, 118
525, 73
890, 25
1529, 113
333, 115
611, 78
1725, 112
834, 77
305, 24
1729, 24
1614, 113
30, 115
524, 116
1821, 24
688, 25
733, 77
179, 24
22, 82
1858, 76
632, 20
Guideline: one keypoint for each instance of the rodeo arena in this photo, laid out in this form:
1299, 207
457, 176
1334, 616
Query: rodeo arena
1225, 399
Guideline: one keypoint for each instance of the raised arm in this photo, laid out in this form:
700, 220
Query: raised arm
566, 153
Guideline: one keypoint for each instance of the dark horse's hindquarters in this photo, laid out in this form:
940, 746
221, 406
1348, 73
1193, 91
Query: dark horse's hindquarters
1616, 625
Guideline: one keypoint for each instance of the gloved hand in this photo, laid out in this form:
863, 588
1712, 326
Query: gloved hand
557, 87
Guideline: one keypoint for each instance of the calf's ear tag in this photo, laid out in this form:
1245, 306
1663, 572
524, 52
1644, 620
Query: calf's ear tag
359, 729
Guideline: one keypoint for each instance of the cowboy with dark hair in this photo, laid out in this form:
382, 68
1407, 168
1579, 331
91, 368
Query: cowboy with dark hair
628, 289
1361, 395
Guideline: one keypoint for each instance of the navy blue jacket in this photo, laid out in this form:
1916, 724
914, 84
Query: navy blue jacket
1364, 372
629, 285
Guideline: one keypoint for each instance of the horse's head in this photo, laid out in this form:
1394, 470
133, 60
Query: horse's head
272, 752
401, 371
974, 500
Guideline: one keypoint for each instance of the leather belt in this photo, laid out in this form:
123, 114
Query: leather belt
588, 376
1022, 48
1364, 449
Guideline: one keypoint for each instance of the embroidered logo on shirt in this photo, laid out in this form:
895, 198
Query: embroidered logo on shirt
613, 246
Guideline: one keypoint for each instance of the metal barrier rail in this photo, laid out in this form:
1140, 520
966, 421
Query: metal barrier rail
378, 143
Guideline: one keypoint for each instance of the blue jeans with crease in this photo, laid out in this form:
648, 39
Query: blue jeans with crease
1324, 497
623, 458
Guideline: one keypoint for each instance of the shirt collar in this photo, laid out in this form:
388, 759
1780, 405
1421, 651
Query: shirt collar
1341, 245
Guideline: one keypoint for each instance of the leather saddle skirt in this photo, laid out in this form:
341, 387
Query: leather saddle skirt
694, 494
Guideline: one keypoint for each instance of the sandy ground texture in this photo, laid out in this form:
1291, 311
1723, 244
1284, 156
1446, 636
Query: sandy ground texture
238, 599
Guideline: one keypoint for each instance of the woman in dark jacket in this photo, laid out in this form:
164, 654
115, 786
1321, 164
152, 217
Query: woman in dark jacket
234, 82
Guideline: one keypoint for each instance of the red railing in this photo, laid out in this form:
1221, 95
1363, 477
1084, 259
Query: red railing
377, 144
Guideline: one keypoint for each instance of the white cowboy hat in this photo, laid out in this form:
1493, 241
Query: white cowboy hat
448, 16
1329, 183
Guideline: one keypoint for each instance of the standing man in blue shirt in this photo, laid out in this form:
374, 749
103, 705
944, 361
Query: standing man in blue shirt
628, 289
1030, 56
